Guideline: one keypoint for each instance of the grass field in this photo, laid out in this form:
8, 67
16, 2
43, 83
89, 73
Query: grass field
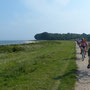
47, 65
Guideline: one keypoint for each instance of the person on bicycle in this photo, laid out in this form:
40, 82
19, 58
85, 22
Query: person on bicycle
78, 41
79, 44
83, 45
86, 48
88, 56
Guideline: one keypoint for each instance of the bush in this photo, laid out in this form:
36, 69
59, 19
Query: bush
10, 48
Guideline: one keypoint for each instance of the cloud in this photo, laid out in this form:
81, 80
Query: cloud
63, 2
45, 10
35, 4
48, 11
44, 5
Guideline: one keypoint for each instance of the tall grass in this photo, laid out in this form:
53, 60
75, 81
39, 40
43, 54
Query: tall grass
47, 65
10, 48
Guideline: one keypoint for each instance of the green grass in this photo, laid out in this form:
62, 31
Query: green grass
47, 65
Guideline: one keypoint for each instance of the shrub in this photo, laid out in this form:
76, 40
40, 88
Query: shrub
10, 48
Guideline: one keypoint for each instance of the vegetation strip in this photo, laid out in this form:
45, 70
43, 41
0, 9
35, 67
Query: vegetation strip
38, 66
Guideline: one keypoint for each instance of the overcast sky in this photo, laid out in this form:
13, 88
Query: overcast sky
22, 19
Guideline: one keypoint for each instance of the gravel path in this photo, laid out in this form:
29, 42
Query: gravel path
83, 82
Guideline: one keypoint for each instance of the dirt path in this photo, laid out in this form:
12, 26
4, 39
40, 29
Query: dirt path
83, 82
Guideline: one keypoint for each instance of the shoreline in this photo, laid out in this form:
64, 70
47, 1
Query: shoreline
28, 42
3, 43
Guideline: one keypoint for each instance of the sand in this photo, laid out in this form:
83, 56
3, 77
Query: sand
27, 42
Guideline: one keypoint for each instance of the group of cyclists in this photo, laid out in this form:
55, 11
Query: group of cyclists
84, 47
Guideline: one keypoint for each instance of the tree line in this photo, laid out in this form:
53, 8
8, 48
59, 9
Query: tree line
58, 36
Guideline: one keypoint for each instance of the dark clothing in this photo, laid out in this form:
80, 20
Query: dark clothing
83, 46
89, 52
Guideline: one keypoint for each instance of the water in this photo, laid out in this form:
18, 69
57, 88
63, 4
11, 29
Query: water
9, 42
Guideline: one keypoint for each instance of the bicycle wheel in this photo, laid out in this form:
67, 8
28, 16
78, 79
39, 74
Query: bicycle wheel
83, 54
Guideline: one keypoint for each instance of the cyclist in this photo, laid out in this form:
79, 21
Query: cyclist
78, 42
83, 45
86, 46
88, 56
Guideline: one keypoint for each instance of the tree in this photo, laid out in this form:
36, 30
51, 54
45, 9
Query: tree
57, 36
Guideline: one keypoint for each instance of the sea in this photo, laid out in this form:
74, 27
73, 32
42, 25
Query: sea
10, 42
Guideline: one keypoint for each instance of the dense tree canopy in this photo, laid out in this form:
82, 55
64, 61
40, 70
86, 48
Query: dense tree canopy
57, 36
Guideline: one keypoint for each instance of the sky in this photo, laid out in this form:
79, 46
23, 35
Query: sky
22, 19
